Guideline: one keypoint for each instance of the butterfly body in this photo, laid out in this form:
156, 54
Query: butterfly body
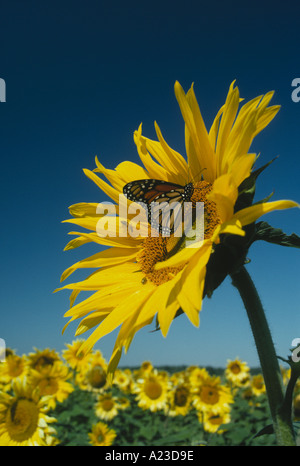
163, 194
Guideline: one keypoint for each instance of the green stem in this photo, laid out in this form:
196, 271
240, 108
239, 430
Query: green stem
269, 363
286, 408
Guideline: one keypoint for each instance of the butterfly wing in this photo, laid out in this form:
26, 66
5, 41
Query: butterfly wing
149, 190
159, 195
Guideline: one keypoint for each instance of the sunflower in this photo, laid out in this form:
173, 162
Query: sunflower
23, 417
41, 359
237, 372
93, 376
197, 375
101, 435
180, 399
123, 380
96, 378
178, 378
258, 385
14, 367
123, 402
210, 394
145, 368
212, 420
152, 391
52, 381
140, 277
77, 359
248, 394
107, 406
286, 374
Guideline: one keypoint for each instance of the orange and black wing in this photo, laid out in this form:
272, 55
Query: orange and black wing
158, 195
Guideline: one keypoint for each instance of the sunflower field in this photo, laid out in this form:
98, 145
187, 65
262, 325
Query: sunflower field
50, 399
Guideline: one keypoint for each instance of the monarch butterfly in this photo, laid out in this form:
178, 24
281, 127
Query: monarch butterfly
163, 194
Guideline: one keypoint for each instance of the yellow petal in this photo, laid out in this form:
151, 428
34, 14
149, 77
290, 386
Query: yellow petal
193, 278
168, 304
206, 153
224, 194
73, 297
252, 213
77, 242
128, 272
155, 170
126, 242
213, 132
108, 257
243, 140
91, 321
247, 109
266, 118
179, 258
130, 327
228, 117
195, 167
264, 102
83, 308
241, 167
121, 312
89, 223
189, 309
108, 227
130, 171
113, 177
233, 227
106, 188
67, 324
84, 209
110, 296
123, 339
166, 316
158, 297
202, 155
252, 118
113, 363
178, 163
157, 151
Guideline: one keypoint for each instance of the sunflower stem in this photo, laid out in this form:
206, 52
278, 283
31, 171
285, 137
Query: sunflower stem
265, 347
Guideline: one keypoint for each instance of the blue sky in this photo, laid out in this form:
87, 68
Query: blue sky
80, 78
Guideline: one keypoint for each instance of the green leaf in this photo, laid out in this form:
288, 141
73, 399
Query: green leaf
269, 429
184, 435
247, 188
266, 232
238, 435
